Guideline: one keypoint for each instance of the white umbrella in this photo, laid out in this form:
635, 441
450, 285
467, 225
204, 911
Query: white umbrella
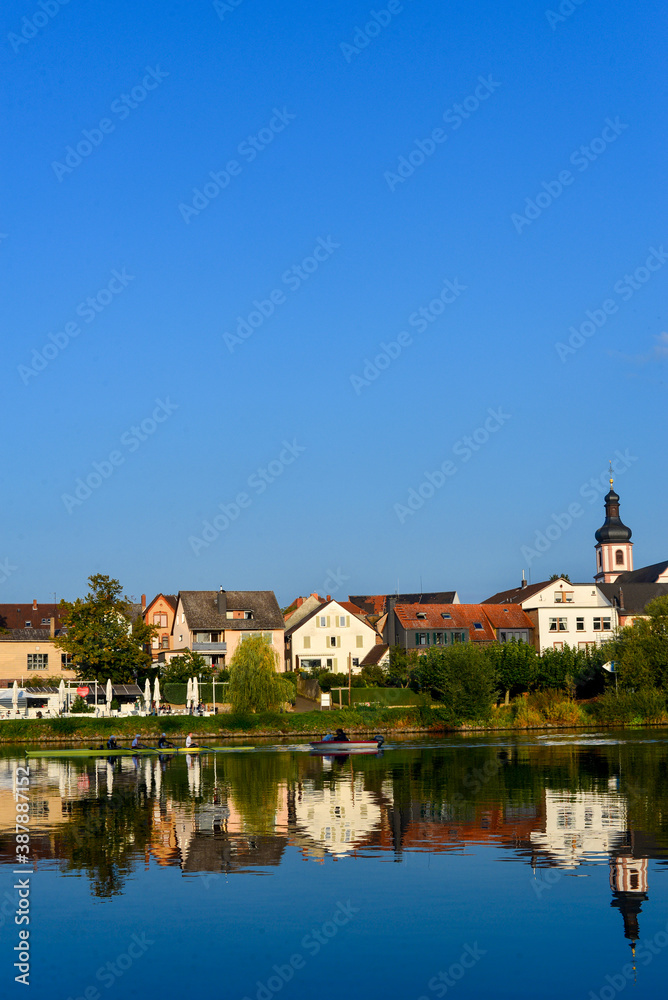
156, 695
109, 693
15, 696
189, 693
195, 693
61, 695
147, 695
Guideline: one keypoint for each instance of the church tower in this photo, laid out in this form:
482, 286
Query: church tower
614, 549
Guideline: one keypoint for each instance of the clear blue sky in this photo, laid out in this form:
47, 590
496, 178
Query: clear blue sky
309, 114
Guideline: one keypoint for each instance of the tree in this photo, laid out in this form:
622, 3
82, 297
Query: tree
101, 636
461, 677
560, 576
254, 685
402, 664
641, 650
515, 666
188, 664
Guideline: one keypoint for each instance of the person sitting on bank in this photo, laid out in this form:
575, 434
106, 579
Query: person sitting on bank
112, 744
163, 742
137, 743
189, 740
341, 736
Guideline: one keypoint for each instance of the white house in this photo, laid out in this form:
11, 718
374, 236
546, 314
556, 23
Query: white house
332, 636
564, 613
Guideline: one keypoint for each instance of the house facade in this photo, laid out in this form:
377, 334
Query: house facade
564, 613
423, 626
214, 623
30, 653
161, 613
333, 636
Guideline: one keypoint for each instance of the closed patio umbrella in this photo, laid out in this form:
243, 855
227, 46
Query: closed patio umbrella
156, 695
147, 695
189, 694
15, 697
61, 695
109, 693
195, 693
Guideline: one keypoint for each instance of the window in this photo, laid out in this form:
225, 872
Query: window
28, 625
421, 614
160, 620
438, 638
579, 624
330, 663
359, 641
341, 621
154, 642
445, 614
248, 614
558, 625
356, 661
598, 556
458, 637
65, 660
602, 624
321, 621
307, 642
45, 621
332, 640
502, 637
38, 661
563, 597
619, 557
421, 638
165, 642
477, 625
557, 645
311, 664
202, 637
586, 645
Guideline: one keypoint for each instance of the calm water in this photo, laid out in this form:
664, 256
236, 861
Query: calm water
505, 866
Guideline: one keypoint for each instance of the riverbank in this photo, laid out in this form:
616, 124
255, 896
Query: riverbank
535, 713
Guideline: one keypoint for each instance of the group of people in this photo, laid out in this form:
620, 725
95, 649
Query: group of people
163, 743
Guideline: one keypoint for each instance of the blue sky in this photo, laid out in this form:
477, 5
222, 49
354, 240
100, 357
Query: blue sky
360, 164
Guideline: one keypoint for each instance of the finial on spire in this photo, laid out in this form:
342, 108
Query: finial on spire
611, 479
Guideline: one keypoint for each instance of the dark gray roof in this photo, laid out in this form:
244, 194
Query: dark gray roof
375, 655
28, 635
517, 594
201, 610
646, 574
633, 598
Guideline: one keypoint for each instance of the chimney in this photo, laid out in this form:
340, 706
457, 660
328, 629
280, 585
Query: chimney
221, 601
300, 601
524, 582
52, 626
329, 597
143, 602
34, 605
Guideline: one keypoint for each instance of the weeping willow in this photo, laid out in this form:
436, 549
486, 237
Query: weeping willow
254, 685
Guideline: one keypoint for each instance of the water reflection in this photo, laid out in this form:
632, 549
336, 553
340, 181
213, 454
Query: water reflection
558, 807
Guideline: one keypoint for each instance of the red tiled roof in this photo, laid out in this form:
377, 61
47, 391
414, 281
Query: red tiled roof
507, 616
352, 608
463, 616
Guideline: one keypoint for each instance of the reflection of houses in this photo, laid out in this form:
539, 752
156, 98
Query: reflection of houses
439, 827
628, 882
580, 824
336, 818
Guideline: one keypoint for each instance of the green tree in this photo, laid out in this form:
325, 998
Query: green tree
641, 650
515, 666
462, 678
188, 664
402, 664
101, 636
560, 576
254, 685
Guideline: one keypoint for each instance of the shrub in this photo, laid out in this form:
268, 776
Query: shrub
462, 678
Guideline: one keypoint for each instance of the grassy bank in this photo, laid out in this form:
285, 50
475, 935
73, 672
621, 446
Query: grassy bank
545, 710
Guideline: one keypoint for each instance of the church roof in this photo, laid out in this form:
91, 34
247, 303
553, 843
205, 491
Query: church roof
646, 574
632, 598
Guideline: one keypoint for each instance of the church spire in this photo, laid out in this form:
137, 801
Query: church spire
614, 551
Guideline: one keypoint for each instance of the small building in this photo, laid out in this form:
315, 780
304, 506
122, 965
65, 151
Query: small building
332, 636
30, 652
214, 623
422, 626
161, 612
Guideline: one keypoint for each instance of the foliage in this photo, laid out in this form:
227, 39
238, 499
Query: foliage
254, 685
80, 705
327, 680
645, 705
569, 668
560, 576
641, 650
187, 664
175, 694
515, 665
402, 664
34, 682
101, 637
462, 678
373, 675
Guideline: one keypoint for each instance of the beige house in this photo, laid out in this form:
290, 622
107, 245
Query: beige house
332, 636
214, 623
28, 653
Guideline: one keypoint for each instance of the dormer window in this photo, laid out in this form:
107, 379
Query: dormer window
28, 624
421, 614
445, 614
248, 614
477, 625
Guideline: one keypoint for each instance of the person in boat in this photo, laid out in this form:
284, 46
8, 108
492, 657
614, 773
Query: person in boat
137, 743
341, 737
163, 742
189, 740
112, 743
327, 738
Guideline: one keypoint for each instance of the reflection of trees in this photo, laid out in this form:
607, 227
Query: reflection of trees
104, 837
254, 785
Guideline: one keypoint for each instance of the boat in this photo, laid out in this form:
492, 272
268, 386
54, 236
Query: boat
129, 752
348, 746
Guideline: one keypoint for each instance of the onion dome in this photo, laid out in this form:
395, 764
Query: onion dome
612, 529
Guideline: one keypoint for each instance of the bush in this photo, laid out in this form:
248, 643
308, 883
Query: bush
462, 678
79, 706
646, 705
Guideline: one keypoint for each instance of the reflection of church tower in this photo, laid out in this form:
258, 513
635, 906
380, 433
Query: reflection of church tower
614, 551
628, 881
